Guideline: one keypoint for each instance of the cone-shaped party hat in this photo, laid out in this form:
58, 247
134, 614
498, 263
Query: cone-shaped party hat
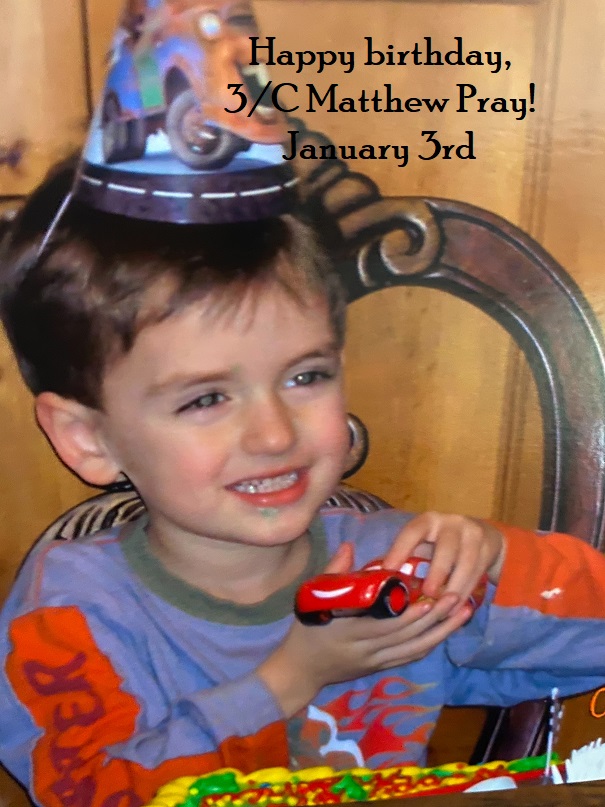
185, 131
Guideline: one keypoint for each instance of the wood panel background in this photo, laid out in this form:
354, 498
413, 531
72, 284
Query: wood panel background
449, 400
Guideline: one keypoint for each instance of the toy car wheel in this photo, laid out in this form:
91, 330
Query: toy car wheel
115, 131
196, 143
392, 601
314, 617
136, 136
122, 140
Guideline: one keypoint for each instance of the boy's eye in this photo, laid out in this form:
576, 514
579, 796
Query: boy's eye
203, 402
245, 21
308, 377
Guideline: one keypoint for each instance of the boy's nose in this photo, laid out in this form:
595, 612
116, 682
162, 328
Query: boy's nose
269, 428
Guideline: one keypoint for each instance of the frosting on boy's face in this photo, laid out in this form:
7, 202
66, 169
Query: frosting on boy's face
219, 419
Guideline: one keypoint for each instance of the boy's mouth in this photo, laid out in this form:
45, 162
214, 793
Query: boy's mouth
269, 484
272, 491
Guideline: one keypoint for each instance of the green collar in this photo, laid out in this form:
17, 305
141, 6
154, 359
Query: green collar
196, 602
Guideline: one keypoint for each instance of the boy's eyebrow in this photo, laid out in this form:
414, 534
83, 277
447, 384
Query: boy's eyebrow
185, 380
331, 349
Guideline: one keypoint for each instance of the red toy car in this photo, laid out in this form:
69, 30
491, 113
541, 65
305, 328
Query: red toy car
373, 590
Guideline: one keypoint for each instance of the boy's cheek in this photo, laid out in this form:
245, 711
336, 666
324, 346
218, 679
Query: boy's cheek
334, 435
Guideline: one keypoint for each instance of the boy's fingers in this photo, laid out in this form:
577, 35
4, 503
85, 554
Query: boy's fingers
342, 561
419, 646
447, 557
385, 632
408, 542
366, 628
437, 613
415, 621
468, 567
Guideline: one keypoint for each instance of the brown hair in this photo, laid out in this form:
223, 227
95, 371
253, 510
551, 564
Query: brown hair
80, 304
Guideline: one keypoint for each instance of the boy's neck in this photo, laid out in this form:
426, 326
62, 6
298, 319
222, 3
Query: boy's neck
239, 573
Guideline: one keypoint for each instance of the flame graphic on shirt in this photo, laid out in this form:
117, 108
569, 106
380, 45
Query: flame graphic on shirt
375, 727
334, 744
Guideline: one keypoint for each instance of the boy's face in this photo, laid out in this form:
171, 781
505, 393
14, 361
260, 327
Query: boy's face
232, 427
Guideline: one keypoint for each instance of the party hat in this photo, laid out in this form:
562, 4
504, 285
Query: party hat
185, 130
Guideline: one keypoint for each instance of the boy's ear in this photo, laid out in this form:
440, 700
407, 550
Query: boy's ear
74, 432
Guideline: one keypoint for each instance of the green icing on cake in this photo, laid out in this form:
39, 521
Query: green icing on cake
360, 786
532, 763
224, 782
440, 772
351, 787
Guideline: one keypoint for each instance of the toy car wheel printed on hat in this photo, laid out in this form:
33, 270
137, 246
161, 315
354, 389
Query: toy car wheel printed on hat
162, 144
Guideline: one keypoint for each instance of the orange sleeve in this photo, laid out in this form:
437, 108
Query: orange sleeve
554, 574
74, 695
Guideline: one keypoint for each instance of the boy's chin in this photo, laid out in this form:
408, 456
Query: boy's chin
275, 528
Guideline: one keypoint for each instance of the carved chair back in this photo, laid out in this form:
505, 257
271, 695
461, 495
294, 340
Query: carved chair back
481, 258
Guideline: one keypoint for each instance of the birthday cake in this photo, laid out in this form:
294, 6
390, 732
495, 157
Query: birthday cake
280, 787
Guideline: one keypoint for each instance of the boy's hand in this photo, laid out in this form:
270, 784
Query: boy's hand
461, 550
309, 658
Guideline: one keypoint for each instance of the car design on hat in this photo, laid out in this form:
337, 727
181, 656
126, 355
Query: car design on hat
172, 63
373, 591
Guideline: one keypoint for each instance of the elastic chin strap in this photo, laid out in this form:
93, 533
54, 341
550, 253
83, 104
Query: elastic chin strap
119, 486
53, 225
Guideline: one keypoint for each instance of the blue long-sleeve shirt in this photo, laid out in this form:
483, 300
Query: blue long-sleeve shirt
117, 676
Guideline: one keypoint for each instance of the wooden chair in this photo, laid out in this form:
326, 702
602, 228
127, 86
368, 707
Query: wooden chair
483, 259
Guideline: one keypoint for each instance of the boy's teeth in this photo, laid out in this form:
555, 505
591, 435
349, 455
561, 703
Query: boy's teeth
269, 485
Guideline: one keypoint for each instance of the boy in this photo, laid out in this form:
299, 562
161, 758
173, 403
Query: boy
205, 365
